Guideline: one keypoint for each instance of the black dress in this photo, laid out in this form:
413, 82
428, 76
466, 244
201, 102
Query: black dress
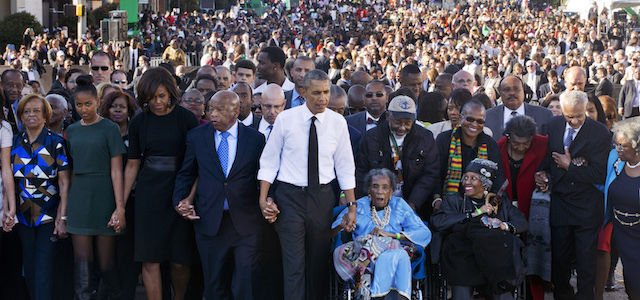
624, 197
160, 233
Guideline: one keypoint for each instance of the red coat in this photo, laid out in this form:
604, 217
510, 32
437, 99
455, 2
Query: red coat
526, 183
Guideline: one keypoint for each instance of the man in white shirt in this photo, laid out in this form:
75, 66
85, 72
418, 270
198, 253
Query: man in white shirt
271, 68
271, 105
302, 206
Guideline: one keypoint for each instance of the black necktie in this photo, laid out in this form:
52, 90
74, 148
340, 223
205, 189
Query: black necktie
313, 173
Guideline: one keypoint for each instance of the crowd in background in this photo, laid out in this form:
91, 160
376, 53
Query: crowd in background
501, 81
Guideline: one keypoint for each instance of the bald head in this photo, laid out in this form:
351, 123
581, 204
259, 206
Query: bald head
224, 108
462, 80
272, 102
361, 78
355, 99
206, 69
575, 79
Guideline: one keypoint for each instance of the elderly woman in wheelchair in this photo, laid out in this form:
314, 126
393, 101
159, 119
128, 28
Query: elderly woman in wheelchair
480, 249
387, 236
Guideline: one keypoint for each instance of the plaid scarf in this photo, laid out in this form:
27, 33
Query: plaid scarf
454, 170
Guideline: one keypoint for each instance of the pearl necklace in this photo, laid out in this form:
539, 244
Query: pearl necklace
633, 166
385, 219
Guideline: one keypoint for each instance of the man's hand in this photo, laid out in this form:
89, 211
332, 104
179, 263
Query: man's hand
621, 111
349, 219
269, 209
580, 161
562, 160
186, 209
542, 181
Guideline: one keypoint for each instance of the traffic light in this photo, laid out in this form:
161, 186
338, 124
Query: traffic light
69, 10
80, 10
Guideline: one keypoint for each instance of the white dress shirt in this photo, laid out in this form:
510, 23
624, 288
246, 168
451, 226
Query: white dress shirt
248, 121
232, 140
263, 128
566, 132
286, 154
370, 126
287, 85
507, 114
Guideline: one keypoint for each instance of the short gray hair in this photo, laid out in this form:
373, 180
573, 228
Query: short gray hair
338, 92
189, 91
313, 75
574, 99
59, 98
393, 179
629, 131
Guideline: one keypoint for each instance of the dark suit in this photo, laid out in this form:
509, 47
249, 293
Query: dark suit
322, 63
359, 121
577, 208
616, 77
224, 236
256, 122
57, 85
625, 99
563, 47
545, 89
605, 87
272, 43
287, 98
495, 118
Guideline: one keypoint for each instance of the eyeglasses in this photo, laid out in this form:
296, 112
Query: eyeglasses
269, 106
471, 120
619, 147
118, 66
378, 94
119, 81
190, 101
103, 68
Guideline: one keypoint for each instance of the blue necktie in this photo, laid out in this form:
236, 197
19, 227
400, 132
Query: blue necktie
223, 152
270, 128
569, 138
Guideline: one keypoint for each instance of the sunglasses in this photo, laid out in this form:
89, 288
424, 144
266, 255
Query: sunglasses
471, 120
378, 94
119, 81
96, 68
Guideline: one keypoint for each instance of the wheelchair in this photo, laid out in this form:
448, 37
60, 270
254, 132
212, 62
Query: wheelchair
427, 287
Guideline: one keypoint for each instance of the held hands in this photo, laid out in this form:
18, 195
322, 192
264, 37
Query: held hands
562, 160
186, 209
542, 181
60, 229
8, 221
117, 221
269, 209
349, 220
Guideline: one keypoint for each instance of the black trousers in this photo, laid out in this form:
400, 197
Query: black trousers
229, 262
569, 243
304, 229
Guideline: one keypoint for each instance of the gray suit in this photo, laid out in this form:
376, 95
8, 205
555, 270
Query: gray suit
495, 118
625, 99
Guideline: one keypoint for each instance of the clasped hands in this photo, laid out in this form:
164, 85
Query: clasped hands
117, 221
186, 209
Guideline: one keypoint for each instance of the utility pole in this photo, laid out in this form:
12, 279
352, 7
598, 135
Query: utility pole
82, 17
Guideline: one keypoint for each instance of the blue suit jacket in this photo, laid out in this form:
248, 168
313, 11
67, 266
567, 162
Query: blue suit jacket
240, 188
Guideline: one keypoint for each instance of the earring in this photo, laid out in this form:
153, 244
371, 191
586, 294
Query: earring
275, 69
486, 192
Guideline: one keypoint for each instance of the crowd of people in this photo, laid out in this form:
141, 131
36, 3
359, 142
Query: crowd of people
418, 135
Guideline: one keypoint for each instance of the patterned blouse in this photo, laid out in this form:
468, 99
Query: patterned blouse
35, 170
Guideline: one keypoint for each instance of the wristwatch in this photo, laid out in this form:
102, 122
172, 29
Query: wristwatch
349, 204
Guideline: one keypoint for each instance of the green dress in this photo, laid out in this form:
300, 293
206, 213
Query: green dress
91, 199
